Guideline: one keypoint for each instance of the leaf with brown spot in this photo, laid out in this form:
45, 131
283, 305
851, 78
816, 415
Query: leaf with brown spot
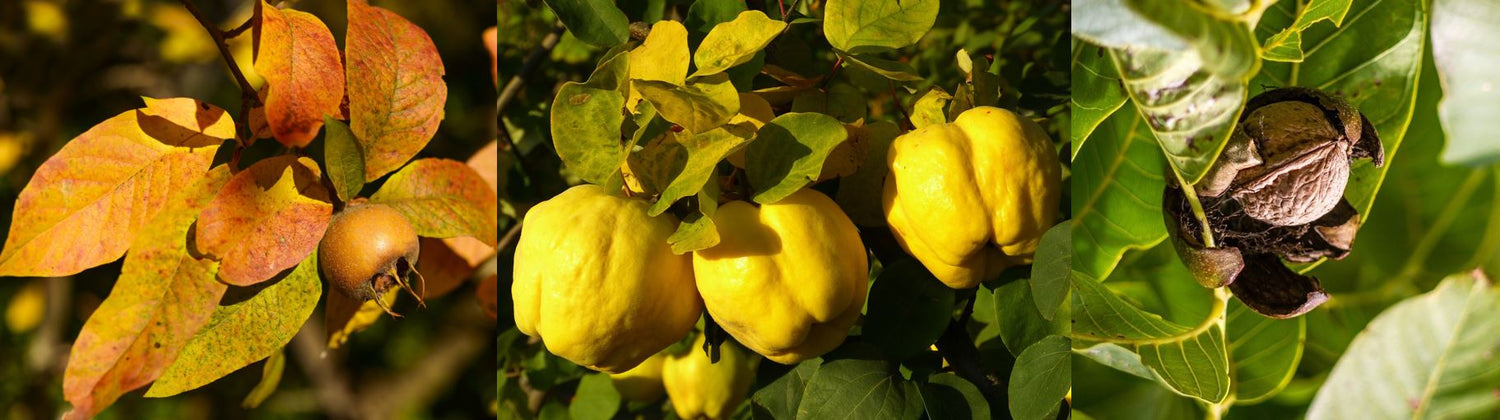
396, 89
164, 295
303, 72
84, 205
250, 325
443, 199
265, 220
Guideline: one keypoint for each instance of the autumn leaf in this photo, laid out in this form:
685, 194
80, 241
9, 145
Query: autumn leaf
303, 72
486, 163
663, 57
442, 198
492, 43
396, 89
249, 325
343, 316
164, 295
85, 204
265, 220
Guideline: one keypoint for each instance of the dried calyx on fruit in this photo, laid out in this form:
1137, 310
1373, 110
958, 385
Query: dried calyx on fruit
368, 249
1276, 192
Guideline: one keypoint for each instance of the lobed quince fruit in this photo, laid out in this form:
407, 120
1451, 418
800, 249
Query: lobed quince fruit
972, 197
700, 389
787, 279
643, 382
597, 282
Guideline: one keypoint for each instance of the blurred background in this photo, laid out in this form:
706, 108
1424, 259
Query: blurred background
68, 65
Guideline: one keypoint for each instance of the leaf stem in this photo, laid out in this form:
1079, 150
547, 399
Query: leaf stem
248, 97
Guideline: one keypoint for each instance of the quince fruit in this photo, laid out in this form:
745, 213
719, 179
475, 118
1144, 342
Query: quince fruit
700, 389
787, 279
972, 197
643, 382
596, 280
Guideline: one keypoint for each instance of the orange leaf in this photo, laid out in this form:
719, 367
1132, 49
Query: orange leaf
485, 162
443, 269
86, 203
443, 199
396, 89
492, 42
164, 295
265, 220
303, 73
487, 295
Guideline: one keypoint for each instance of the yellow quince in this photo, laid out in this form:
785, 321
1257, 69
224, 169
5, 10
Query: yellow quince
700, 389
596, 280
787, 279
972, 197
643, 382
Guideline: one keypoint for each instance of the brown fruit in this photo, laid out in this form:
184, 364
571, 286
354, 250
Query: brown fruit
368, 249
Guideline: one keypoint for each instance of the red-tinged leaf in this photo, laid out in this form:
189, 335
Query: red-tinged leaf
396, 89
163, 297
265, 220
85, 204
443, 199
251, 324
303, 72
486, 163
443, 269
488, 297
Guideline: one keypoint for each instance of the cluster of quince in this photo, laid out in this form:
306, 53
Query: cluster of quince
596, 280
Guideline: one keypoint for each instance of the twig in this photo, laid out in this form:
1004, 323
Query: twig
837, 64
332, 385
510, 236
248, 96
905, 117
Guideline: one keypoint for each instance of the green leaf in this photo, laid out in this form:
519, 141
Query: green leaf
697, 230
908, 310
252, 324
703, 15
1097, 92
1463, 35
1021, 325
735, 42
1190, 111
948, 396
270, 378
1265, 352
894, 70
1287, 44
1118, 178
343, 158
586, 120
783, 388
1228, 48
846, 103
928, 110
678, 164
857, 26
1049, 272
860, 389
1430, 356
1118, 358
701, 105
596, 22
596, 398
1111, 24
1372, 61
1041, 379
788, 153
860, 193
1192, 361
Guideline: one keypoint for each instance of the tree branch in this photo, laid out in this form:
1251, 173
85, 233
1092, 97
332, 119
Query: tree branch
248, 97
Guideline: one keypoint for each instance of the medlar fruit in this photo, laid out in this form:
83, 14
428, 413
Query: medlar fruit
368, 249
1276, 192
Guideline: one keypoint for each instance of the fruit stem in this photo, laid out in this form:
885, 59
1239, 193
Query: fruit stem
1192, 197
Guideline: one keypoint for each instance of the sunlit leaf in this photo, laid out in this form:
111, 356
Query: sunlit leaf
1287, 44
857, 26
268, 218
85, 204
345, 160
788, 153
303, 71
735, 42
699, 106
396, 88
442, 198
1118, 186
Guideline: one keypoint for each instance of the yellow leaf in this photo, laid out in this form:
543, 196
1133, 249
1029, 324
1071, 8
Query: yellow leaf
735, 42
663, 57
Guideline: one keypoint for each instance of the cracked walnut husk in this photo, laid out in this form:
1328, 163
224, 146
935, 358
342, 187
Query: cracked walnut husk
1276, 193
